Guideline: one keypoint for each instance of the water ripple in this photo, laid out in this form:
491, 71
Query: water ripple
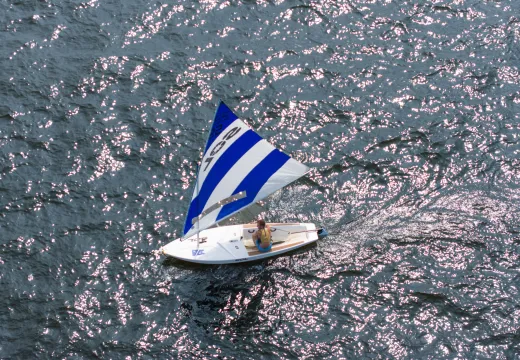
407, 114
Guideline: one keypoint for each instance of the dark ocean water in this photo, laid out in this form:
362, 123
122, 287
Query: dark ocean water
407, 111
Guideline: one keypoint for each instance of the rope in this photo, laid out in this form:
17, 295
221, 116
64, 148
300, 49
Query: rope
276, 229
298, 232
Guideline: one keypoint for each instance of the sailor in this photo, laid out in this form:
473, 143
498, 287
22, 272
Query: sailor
262, 237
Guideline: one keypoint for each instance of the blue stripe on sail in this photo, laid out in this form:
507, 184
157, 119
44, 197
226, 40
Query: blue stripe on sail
223, 117
254, 181
217, 173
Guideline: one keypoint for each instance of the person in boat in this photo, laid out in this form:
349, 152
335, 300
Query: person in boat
262, 237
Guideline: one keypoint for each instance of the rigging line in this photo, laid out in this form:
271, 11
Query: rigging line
305, 231
276, 229
296, 232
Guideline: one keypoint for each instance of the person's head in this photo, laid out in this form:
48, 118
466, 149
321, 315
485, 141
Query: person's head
260, 224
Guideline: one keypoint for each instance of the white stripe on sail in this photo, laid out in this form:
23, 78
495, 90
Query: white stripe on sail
239, 171
233, 178
203, 171
289, 172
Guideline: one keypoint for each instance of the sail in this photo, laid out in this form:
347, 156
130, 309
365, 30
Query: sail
238, 169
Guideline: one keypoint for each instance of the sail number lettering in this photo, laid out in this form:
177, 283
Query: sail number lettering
216, 149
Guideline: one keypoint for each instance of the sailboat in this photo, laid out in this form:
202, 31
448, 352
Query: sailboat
238, 169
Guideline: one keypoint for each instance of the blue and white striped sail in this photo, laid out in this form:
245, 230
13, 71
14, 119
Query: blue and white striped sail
238, 169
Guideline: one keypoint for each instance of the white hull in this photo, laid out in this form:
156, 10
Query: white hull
234, 244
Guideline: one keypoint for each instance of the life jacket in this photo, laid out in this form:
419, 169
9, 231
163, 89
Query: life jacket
265, 237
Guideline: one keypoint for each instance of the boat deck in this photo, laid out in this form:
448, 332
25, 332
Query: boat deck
278, 244
274, 248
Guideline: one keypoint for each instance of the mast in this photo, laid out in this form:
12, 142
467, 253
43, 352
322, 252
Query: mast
197, 186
